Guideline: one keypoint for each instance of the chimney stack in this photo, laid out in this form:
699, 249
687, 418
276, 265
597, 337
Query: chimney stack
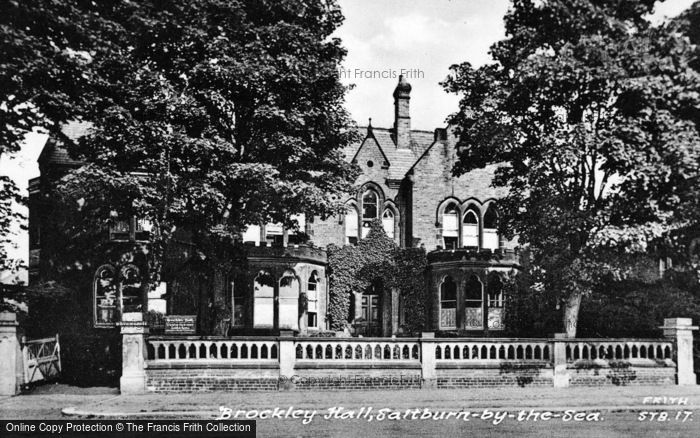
402, 118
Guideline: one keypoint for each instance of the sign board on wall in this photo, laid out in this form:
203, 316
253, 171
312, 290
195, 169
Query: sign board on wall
180, 324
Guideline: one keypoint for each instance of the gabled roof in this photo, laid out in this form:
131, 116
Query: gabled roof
400, 160
54, 151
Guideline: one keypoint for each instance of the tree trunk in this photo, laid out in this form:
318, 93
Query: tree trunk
573, 304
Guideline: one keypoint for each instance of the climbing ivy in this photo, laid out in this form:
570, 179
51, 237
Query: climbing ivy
377, 257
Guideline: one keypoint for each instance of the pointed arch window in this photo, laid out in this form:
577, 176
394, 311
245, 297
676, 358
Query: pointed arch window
105, 296
370, 210
115, 293
388, 223
289, 301
473, 304
450, 227
496, 302
470, 229
448, 303
370, 205
491, 228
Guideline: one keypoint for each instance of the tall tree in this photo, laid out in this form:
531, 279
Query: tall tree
591, 114
205, 115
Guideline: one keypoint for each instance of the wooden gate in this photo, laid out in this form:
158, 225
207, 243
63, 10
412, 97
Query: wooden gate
42, 359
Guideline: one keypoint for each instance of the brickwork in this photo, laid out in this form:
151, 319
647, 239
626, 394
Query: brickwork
621, 375
216, 379
504, 375
356, 379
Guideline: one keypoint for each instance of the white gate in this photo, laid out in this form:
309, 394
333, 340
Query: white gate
42, 359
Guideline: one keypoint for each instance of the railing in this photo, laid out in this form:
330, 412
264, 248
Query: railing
592, 349
496, 349
262, 349
403, 349
356, 349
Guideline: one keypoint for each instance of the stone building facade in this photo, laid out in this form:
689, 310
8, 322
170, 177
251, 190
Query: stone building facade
281, 281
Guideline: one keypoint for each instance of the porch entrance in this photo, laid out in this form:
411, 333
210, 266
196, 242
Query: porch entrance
372, 310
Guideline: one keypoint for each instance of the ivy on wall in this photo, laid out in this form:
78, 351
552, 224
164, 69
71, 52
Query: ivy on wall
376, 257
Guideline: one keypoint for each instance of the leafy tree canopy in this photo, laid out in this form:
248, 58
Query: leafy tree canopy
593, 116
205, 115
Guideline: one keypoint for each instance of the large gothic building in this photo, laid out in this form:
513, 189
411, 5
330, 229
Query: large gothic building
282, 283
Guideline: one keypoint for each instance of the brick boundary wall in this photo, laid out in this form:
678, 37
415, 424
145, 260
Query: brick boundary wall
289, 363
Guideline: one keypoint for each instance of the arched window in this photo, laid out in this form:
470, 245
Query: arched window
312, 300
105, 296
448, 304
388, 223
351, 225
263, 304
370, 205
289, 301
370, 210
473, 304
495, 297
470, 229
450, 227
491, 228
131, 291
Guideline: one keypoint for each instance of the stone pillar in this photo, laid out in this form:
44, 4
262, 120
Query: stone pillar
11, 372
680, 330
287, 359
559, 368
394, 311
134, 331
427, 360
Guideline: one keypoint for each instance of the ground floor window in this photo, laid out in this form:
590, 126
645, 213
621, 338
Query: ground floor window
289, 301
496, 303
448, 304
263, 300
312, 300
115, 294
473, 304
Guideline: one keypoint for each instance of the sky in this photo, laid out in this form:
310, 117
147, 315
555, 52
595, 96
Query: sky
421, 38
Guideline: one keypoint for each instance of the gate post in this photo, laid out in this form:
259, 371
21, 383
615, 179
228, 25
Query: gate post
427, 360
11, 366
559, 368
288, 356
680, 330
134, 330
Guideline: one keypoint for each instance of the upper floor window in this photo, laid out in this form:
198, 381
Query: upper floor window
263, 300
274, 234
450, 227
388, 223
490, 239
131, 229
351, 225
370, 205
470, 229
